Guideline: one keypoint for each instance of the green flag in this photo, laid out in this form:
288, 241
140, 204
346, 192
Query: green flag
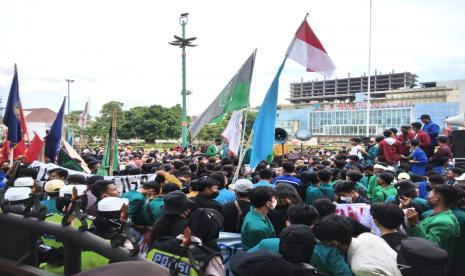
105, 165
233, 97
66, 161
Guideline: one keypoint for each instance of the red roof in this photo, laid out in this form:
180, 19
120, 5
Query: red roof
39, 115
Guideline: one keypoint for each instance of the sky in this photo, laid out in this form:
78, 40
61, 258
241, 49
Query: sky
119, 51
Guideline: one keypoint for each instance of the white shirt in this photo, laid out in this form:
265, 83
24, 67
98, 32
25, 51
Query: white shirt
370, 255
355, 150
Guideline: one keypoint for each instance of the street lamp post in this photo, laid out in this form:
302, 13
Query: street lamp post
69, 81
183, 42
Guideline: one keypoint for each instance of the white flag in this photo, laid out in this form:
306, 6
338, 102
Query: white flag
232, 133
84, 116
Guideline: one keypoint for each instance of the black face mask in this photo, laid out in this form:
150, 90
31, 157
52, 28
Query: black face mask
215, 194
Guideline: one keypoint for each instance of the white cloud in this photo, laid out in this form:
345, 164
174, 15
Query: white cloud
118, 50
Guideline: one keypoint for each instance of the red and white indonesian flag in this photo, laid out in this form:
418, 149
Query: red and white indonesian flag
84, 116
232, 132
307, 50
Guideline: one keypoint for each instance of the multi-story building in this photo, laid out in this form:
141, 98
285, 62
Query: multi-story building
329, 109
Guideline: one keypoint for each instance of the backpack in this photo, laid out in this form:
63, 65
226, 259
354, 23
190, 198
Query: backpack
421, 257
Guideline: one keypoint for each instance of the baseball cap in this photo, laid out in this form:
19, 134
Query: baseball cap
403, 175
260, 262
242, 186
53, 186
24, 182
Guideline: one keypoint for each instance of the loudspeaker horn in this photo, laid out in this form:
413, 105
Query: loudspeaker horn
280, 136
457, 120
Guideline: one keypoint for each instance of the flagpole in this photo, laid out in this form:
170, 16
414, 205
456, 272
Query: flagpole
369, 77
241, 147
112, 143
241, 158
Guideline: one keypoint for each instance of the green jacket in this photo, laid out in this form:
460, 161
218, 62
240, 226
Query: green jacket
443, 229
372, 184
326, 259
212, 150
321, 191
156, 207
458, 259
255, 228
371, 155
382, 193
136, 210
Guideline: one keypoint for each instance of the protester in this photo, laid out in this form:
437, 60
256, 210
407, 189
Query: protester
52, 188
367, 254
389, 149
346, 193
431, 129
208, 191
422, 137
266, 177
384, 188
256, 225
224, 194
389, 218
418, 159
235, 212
137, 201
320, 189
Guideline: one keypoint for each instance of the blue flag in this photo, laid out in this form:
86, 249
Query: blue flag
263, 127
11, 119
52, 140
70, 137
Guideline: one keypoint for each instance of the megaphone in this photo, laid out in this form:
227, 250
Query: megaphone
457, 120
280, 136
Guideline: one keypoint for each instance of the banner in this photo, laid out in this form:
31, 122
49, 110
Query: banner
359, 212
123, 183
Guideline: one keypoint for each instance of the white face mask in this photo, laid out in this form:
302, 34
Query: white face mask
347, 160
347, 199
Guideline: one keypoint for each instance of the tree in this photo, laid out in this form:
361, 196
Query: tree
101, 125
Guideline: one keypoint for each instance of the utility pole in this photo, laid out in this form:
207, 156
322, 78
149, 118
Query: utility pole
183, 42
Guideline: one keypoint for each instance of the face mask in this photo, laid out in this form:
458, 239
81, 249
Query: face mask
347, 160
215, 194
347, 199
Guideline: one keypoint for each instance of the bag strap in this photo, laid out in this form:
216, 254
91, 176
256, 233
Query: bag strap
239, 214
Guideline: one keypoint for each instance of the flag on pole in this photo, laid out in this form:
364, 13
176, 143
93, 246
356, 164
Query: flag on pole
52, 140
84, 116
307, 50
34, 149
11, 119
232, 132
20, 148
70, 137
263, 127
233, 97
72, 153
5, 148
110, 156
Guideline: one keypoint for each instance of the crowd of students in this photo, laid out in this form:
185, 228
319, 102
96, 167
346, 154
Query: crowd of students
285, 211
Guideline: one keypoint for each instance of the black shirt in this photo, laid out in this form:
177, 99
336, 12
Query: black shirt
204, 201
230, 214
394, 239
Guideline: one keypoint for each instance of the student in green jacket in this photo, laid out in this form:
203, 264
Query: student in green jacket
442, 226
322, 189
326, 259
256, 225
214, 149
373, 180
384, 188
137, 201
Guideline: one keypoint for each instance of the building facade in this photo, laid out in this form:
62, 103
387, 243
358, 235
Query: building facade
332, 118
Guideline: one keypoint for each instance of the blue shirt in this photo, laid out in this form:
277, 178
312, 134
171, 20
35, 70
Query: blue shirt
418, 155
225, 196
288, 179
325, 259
51, 206
263, 183
433, 131
422, 189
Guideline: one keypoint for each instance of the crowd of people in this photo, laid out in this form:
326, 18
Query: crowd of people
285, 211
